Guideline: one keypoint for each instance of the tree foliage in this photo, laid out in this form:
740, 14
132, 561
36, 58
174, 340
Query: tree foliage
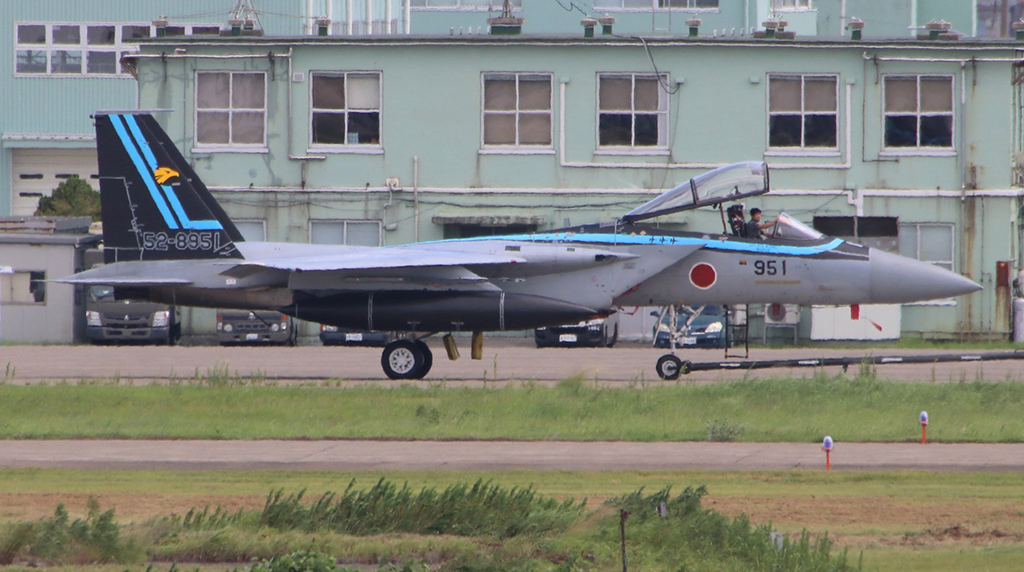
73, 197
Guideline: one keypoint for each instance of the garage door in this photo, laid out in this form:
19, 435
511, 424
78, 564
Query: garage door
36, 172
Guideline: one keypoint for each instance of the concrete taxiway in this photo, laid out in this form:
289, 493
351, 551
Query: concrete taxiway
362, 455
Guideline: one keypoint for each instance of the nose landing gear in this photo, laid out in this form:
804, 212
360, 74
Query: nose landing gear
669, 367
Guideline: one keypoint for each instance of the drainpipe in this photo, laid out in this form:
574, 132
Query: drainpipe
415, 197
348, 17
408, 14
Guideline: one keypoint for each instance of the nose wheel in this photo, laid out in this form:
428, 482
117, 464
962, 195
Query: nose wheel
406, 359
669, 367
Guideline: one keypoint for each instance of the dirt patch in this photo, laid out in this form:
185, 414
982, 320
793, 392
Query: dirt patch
961, 535
128, 507
860, 522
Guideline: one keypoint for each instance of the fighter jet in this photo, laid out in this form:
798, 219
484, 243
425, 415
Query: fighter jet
166, 239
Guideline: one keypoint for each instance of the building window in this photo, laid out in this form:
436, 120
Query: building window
659, 4
465, 5
23, 287
928, 242
65, 49
632, 111
791, 5
252, 230
349, 232
803, 111
517, 110
231, 109
918, 111
881, 232
346, 109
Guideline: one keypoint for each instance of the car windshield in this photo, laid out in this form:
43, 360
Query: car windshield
98, 292
789, 228
729, 183
709, 313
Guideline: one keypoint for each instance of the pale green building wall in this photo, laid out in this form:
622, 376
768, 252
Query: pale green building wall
431, 114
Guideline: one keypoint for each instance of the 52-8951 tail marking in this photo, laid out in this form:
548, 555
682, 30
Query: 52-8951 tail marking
205, 241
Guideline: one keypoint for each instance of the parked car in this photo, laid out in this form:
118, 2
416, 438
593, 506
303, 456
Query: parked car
335, 336
589, 333
706, 330
256, 327
108, 320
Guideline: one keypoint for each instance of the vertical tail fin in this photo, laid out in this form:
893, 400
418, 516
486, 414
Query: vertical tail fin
154, 205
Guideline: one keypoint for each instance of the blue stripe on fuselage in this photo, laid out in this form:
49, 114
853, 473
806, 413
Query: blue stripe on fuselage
647, 240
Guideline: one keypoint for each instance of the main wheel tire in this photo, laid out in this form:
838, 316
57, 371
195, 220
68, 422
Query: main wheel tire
428, 359
401, 359
669, 367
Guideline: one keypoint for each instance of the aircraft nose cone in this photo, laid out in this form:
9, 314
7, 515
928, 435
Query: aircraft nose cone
897, 279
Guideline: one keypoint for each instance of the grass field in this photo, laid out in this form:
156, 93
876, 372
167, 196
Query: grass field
849, 409
900, 520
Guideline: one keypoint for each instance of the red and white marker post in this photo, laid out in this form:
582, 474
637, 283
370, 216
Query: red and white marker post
826, 446
924, 427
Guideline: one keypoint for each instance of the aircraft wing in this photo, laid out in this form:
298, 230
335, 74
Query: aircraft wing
379, 258
128, 274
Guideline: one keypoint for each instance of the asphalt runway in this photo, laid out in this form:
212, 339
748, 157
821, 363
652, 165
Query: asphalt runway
502, 455
504, 360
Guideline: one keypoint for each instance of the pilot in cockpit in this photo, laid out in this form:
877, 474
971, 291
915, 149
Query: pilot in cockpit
754, 227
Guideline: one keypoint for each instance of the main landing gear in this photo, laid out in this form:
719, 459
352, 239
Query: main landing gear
407, 359
411, 358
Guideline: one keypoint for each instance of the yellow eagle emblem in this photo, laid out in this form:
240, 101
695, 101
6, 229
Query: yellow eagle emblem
164, 174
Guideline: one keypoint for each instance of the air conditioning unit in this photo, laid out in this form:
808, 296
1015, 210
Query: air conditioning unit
777, 313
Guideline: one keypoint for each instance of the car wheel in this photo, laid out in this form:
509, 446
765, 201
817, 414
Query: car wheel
401, 359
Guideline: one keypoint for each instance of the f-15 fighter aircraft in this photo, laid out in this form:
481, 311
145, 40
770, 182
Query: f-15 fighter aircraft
167, 240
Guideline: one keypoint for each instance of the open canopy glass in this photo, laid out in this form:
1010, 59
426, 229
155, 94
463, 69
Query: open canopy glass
728, 183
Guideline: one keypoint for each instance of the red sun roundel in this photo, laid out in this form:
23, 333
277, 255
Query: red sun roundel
703, 275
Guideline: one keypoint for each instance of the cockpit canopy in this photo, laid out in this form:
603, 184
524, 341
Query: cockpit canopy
728, 183
789, 228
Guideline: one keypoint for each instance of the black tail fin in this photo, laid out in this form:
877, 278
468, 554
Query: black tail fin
154, 205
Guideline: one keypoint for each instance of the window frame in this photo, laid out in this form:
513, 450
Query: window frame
345, 222
229, 146
917, 247
120, 46
243, 221
940, 263
655, 6
798, 6
353, 148
918, 149
492, 6
517, 148
663, 145
802, 149
36, 288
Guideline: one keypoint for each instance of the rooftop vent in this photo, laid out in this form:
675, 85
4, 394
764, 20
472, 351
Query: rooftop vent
694, 25
588, 27
506, 24
856, 27
939, 30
